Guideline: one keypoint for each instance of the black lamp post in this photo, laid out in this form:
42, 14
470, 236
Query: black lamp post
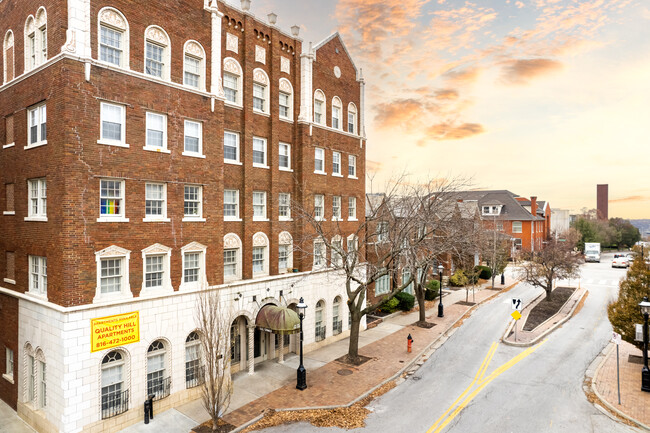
302, 373
645, 372
441, 308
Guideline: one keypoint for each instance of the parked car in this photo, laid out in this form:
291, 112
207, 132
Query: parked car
620, 261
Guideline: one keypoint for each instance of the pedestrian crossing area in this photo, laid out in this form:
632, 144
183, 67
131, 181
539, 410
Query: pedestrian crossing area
592, 282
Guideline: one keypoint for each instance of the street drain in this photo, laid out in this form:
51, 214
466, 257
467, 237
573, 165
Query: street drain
344, 372
416, 378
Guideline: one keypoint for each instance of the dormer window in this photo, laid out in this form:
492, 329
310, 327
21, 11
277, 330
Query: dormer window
492, 210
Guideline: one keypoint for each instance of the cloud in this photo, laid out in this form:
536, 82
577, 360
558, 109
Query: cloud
519, 4
449, 131
401, 112
447, 94
632, 198
374, 165
463, 76
521, 71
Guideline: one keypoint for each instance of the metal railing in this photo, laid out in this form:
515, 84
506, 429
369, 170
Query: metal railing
115, 403
320, 333
194, 375
337, 327
159, 387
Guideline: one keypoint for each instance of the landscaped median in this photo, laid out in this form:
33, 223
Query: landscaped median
543, 316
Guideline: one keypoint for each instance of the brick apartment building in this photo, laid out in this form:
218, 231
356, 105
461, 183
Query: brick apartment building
150, 150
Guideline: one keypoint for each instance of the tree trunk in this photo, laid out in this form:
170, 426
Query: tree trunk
421, 304
353, 348
493, 280
549, 292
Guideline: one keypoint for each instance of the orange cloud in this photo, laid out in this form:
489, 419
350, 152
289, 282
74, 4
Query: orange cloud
400, 112
447, 94
463, 76
374, 165
632, 198
449, 131
521, 71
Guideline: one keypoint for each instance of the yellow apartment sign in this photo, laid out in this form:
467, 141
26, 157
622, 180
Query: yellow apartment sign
113, 331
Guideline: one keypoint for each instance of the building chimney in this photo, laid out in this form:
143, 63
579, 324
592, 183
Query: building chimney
533, 206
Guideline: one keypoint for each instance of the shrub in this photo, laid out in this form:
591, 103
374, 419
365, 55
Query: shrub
458, 279
486, 272
406, 301
431, 292
390, 306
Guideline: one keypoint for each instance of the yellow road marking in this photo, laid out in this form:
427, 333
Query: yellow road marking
477, 377
482, 384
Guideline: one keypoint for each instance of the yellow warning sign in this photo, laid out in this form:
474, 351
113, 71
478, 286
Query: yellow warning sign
516, 315
113, 331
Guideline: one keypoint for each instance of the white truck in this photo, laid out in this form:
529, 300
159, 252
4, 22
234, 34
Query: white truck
592, 252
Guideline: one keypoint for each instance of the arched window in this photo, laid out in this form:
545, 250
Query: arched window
41, 34
113, 37
286, 99
193, 371
30, 374
320, 320
232, 257
158, 378
352, 118
41, 381
8, 50
232, 81
319, 107
336, 113
157, 53
115, 392
337, 322
194, 65
31, 44
260, 91
285, 252
260, 254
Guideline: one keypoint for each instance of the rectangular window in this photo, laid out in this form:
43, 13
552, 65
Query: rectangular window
111, 198
11, 265
111, 275
285, 106
406, 275
112, 123
110, 46
156, 131
285, 156
259, 102
37, 118
318, 111
259, 205
352, 208
259, 152
37, 198
31, 47
382, 285
191, 267
283, 258
31, 382
352, 166
337, 250
154, 60
192, 73
155, 201
43, 31
382, 231
192, 201
193, 138
9, 130
336, 163
319, 160
336, 117
42, 397
319, 202
9, 364
230, 87
336, 207
284, 206
351, 121
230, 146
230, 204
319, 254
38, 275
229, 263
154, 271
9, 198
258, 260
516, 226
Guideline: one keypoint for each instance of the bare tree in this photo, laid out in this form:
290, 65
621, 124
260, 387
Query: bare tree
556, 260
496, 247
214, 319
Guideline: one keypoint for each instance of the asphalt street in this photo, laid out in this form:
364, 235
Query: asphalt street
473, 383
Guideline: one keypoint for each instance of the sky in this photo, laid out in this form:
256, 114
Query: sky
544, 98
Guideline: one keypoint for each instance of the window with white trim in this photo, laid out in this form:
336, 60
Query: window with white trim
156, 132
230, 204
283, 258
31, 44
337, 323
9, 363
352, 166
259, 258
191, 267
285, 105
229, 263
193, 202
259, 205
111, 199
382, 285
112, 273
231, 87
319, 253
194, 65
516, 227
113, 38
336, 208
319, 107
382, 231
337, 251
259, 97
259, 152
352, 118
352, 208
113, 124
193, 370
36, 40
319, 328
353, 246
284, 206
336, 163
38, 275
319, 205
233, 82
193, 138
336, 113
284, 160
42, 386
37, 125
114, 388
31, 378
8, 58
319, 160
37, 190
156, 273
406, 275
158, 380
232, 257
231, 146
157, 57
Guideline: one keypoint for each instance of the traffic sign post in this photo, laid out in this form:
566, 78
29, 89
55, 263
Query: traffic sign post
517, 304
516, 315
616, 338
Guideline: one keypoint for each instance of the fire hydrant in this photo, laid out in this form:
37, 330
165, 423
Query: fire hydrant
409, 343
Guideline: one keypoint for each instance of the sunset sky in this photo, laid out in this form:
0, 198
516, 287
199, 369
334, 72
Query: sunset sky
541, 97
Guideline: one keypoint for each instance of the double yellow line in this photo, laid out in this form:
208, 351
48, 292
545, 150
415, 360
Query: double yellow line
481, 383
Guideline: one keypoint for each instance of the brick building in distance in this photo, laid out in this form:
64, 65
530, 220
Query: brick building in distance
150, 151
602, 202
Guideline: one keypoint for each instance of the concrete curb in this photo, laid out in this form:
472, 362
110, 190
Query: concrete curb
545, 333
605, 353
447, 333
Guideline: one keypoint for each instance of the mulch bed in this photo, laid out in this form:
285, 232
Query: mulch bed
427, 325
546, 309
360, 360
468, 304
206, 427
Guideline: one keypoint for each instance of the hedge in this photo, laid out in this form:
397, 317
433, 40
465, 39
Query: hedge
406, 301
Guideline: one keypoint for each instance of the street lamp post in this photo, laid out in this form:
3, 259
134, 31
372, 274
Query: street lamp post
441, 308
302, 373
645, 372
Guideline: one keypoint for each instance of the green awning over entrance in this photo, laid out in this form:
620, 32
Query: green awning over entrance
279, 320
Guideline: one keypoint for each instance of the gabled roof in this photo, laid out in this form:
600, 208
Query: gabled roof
329, 38
512, 209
